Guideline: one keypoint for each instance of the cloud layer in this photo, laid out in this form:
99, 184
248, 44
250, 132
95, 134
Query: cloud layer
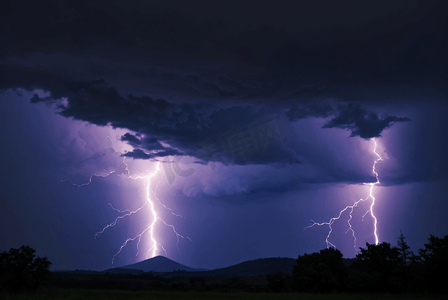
188, 79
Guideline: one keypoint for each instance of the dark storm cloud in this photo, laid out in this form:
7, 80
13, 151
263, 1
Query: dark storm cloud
362, 123
182, 73
36, 99
140, 154
326, 41
315, 110
131, 139
181, 126
231, 50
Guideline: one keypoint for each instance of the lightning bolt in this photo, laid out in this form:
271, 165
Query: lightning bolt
156, 246
372, 184
350, 208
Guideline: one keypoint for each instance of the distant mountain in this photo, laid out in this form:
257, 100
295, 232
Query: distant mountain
261, 266
155, 264
170, 268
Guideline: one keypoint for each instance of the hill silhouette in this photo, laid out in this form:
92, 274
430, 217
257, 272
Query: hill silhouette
158, 264
169, 268
261, 266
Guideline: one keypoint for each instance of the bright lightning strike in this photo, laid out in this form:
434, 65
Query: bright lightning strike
155, 246
350, 208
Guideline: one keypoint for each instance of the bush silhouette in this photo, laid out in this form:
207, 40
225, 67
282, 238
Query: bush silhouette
377, 268
21, 270
321, 272
434, 260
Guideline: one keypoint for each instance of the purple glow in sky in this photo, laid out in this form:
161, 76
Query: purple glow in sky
213, 132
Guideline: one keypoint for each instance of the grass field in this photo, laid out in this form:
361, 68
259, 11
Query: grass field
112, 295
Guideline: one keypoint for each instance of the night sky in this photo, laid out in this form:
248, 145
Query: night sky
248, 120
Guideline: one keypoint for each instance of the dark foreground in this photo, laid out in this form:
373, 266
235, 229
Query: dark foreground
51, 293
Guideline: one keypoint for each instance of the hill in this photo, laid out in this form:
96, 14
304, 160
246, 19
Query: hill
169, 268
261, 266
155, 264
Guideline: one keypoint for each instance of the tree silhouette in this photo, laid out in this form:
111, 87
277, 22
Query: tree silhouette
376, 268
406, 256
278, 282
21, 270
405, 253
320, 272
434, 258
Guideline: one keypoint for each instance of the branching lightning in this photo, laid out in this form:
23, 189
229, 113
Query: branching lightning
155, 246
85, 183
350, 208
128, 213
